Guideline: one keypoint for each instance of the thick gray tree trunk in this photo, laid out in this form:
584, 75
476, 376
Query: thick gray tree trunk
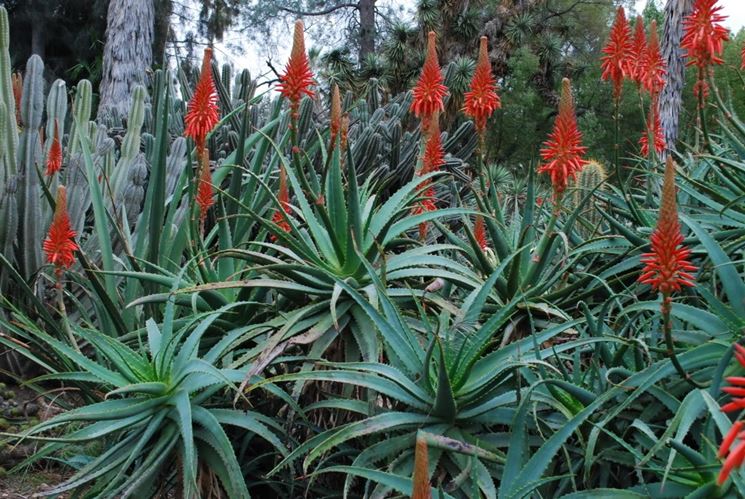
127, 55
367, 27
671, 97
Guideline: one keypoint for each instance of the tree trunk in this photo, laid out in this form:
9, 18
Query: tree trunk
164, 8
367, 28
671, 97
127, 54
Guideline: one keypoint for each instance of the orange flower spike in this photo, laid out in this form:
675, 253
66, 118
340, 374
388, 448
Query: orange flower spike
54, 158
638, 49
666, 267
616, 63
654, 128
434, 154
202, 113
60, 244
280, 216
422, 488
297, 78
734, 460
335, 115
563, 150
742, 57
205, 196
482, 100
652, 66
479, 232
429, 90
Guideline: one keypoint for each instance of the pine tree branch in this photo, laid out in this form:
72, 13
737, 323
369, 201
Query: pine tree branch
319, 12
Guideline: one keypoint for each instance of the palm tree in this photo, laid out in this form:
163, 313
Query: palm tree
127, 54
670, 99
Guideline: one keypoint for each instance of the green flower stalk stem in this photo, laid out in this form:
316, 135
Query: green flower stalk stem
543, 244
667, 325
62, 309
702, 114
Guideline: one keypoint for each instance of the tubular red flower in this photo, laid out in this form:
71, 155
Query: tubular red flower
429, 89
729, 439
638, 49
60, 244
54, 157
482, 100
740, 354
297, 78
563, 150
734, 460
432, 160
654, 128
666, 267
202, 113
280, 216
422, 489
617, 64
652, 68
479, 232
205, 196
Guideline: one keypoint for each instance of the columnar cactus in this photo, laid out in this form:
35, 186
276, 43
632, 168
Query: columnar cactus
592, 176
82, 106
29, 158
6, 97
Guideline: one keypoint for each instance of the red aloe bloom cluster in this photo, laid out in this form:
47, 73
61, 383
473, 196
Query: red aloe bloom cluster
666, 267
735, 456
54, 158
60, 244
280, 216
617, 64
563, 150
703, 40
429, 90
479, 232
652, 68
297, 78
638, 49
654, 129
482, 100
433, 159
205, 196
202, 114
742, 56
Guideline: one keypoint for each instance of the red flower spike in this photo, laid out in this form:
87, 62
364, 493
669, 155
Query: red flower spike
652, 68
429, 89
729, 439
479, 232
202, 113
17, 84
422, 489
617, 64
742, 56
666, 267
60, 244
280, 216
54, 157
703, 35
297, 78
654, 128
563, 150
482, 100
205, 196
638, 49
734, 460
434, 154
